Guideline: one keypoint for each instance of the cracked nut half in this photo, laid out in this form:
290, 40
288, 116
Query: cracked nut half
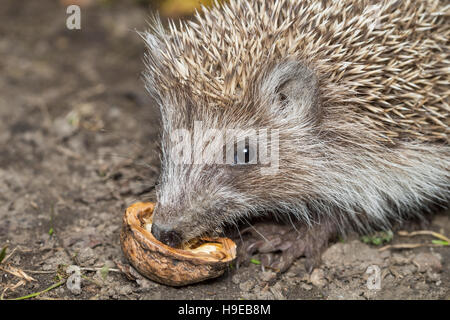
198, 260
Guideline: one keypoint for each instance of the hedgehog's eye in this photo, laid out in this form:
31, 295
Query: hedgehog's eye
244, 154
282, 98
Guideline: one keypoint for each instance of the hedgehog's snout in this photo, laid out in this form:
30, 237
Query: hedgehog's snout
166, 235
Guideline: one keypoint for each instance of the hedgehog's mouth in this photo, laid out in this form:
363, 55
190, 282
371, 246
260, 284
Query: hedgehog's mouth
205, 244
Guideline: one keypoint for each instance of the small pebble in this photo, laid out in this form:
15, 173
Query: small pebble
267, 276
306, 287
247, 285
427, 261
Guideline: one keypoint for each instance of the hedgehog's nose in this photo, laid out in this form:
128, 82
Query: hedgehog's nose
166, 235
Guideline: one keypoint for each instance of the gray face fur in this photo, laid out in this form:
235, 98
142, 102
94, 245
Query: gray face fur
197, 198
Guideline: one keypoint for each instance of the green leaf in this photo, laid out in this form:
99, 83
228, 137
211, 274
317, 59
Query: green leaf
440, 242
51, 231
377, 241
365, 239
3, 253
378, 238
254, 261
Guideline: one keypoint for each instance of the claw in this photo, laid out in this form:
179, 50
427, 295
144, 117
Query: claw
267, 259
270, 246
253, 247
283, 263
284, 246
310, 265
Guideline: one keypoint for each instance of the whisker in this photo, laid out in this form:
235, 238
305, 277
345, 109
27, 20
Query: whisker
292, 223
259, 233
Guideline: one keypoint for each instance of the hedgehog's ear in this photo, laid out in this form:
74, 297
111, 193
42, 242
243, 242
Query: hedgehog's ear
292, 89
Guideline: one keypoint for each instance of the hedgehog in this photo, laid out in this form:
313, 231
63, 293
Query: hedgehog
357, 92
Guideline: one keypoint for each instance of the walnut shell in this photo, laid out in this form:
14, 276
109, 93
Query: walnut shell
201, 259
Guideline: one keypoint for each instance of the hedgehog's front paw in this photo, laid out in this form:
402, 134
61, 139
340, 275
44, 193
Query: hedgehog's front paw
279, 245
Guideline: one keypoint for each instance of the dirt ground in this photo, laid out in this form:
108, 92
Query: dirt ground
78, 144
